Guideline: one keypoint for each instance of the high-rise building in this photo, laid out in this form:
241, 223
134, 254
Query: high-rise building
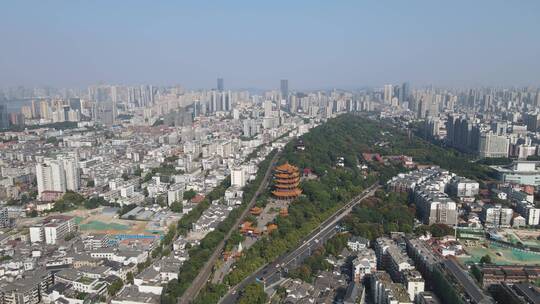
57, 175
533, 121
75, 103
16, 119
26, 111
34, 108
284, 89
4, 117
496, 216
388, 92
44, 110
50, 176
492, 145
238, 177
293, 104
105, 112
462, 133
404, 92
268, 108
71, 169
53, 229
220, 84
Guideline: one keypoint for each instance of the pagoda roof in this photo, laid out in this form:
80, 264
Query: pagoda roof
287, 175
287, 168
287, 193
287, 186
287, 181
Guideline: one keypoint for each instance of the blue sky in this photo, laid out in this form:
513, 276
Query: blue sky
314, 44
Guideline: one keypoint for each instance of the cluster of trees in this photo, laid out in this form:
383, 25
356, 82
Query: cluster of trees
164, 248
436, 230
253, 294
5, 258
56, 125
115, 287
166, 169
235, 239
69, 201
72, 200
486, 259
497, 161
96, 201
189, 194
381, 214
177, 207
317, 261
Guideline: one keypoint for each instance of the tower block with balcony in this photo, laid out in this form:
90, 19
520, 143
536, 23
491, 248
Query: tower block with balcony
286, 181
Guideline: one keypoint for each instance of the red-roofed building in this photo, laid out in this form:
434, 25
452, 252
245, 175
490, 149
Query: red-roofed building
50, 196
198, 198
528, 189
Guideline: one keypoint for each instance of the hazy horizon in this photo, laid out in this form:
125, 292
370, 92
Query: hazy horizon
313, 44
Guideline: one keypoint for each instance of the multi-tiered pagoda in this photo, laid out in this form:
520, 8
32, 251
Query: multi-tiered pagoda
286, 181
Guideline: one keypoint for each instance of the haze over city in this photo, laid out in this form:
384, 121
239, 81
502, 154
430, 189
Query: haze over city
315, 44
270, 152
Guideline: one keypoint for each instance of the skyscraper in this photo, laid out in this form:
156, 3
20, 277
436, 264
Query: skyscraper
58, 175
4, 117
220, 85
284, 89
44, 110
404, 92
268, 108
71, 170
50, 176
387, 97
293, 104
75, 103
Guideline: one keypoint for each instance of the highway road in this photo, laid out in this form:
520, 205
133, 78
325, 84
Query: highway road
204, 274
272, 272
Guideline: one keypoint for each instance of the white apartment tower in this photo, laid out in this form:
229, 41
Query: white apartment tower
57, 175
387, 93
268, 109
71, 169
238, 177
50, 176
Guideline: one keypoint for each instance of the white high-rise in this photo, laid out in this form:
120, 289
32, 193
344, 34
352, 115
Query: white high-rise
57, 175
238, 177
387, 93
268, 109
50, 176
71, 169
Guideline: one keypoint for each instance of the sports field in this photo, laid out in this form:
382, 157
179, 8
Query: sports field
501, 255
98, 225
97, 222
